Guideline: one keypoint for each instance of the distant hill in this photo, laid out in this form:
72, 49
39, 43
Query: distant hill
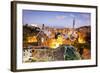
84, 27
30, 30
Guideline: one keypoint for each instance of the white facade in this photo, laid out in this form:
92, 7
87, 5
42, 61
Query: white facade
27, 55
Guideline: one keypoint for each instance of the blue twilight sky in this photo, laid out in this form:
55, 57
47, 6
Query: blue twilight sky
56, 19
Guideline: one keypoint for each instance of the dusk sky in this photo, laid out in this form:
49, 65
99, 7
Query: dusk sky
56, 19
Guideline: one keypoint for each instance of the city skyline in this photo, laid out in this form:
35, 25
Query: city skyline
56, 19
